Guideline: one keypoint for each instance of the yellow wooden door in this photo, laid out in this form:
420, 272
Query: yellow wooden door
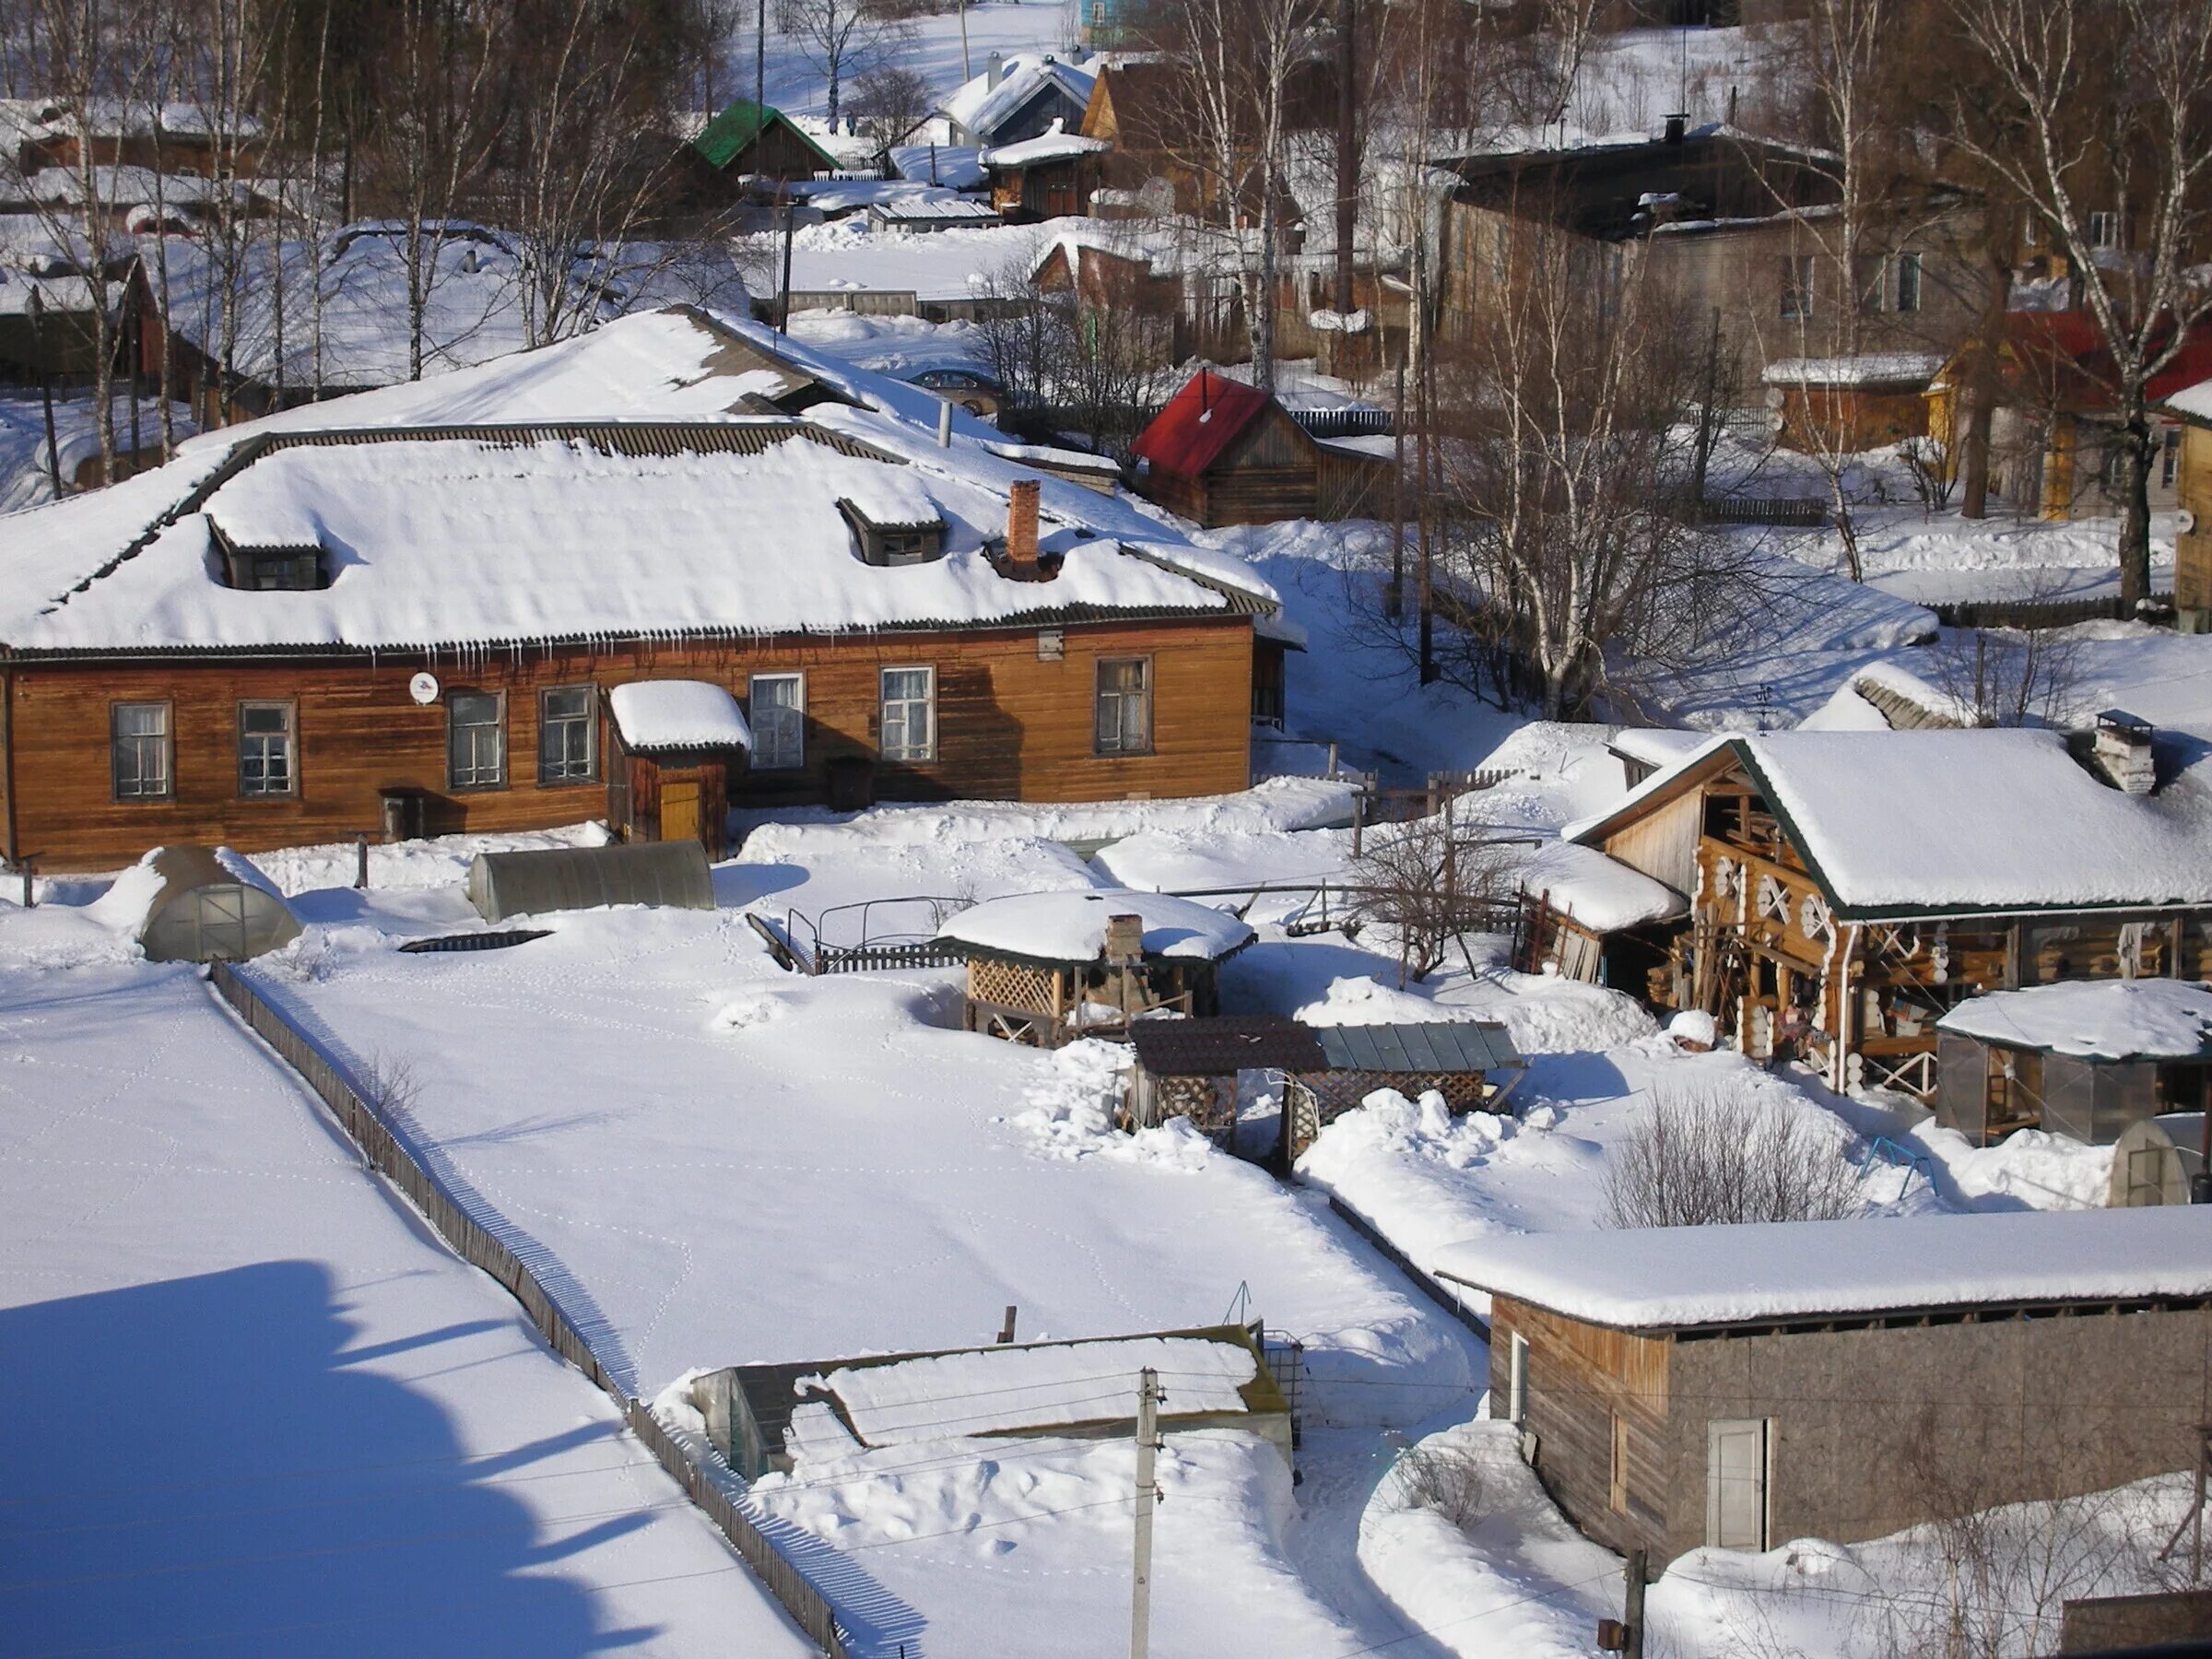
679, 812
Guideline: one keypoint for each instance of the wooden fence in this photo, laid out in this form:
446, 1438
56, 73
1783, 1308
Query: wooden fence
1789, 512
359, 1116
2041, 613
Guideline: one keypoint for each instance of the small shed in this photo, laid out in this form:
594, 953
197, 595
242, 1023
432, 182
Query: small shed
1223, 452
1048, 968
1050, 176
766, 1418
1848, 404
921, 213
678, 746
1587, 918
200, 904
751, 140
2088, 1059
563, 878
1731, 1387
1190, 1067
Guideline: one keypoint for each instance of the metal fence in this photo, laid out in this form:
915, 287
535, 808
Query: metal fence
385, 1153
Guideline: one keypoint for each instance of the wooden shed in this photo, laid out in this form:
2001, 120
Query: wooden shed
1733, 1387
1848, 404
1223, 452
750, 140
1048, 968
1190, 1068
678, 746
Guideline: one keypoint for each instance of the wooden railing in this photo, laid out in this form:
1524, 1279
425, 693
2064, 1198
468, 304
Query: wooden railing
386, 1153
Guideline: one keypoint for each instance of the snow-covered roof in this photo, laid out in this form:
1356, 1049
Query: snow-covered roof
2094, 1020
1052, 145
2192, 402
522, 500
1936, 822
1886, 696
980, 106
679, 714
1870, 368
956, 166
1677, 1278
1071, 927
1656, 745
1597, 892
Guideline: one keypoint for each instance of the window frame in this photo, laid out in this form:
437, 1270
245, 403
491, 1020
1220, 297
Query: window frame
1098, 702
752, 706
1910, 260
546, 724
909, 756
168, 738
290, 706
2170, 457
2107, 229
498, 725
1796, 287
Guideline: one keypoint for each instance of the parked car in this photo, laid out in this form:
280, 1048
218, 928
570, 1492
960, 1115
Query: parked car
977, 394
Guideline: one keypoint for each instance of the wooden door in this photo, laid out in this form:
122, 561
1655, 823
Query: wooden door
679, 812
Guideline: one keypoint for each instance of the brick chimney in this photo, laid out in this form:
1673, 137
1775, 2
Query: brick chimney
1124, 938
2121, 751
1021, 561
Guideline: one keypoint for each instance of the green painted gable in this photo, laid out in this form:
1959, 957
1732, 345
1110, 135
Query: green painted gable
725, 138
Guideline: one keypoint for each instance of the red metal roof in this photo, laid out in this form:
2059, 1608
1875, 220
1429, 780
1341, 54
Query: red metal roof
2061, 356
1199, 424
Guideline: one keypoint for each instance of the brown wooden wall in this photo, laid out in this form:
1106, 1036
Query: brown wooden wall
1579, 1378
1010, 727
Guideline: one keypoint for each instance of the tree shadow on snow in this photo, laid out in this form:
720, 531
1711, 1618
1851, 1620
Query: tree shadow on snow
203, 1462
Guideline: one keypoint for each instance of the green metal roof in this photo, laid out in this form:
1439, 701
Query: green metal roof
725, 138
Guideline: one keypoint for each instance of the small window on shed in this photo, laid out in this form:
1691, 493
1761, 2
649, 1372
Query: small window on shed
895, 544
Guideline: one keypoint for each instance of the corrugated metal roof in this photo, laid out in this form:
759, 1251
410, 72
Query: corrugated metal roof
725, 138
1199, 423
1220, 1048
1447, 1045
741, 436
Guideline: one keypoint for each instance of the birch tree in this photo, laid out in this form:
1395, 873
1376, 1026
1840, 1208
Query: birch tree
2096, 118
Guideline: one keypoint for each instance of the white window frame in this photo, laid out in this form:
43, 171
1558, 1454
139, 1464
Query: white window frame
475, 781
161, 744
905, 749
1910, 262
554, 774
259, 747
1121, 743
2170, 456
2107, 229
764, 759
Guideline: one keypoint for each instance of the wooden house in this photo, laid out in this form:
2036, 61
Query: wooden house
1016, 98
1839, 892
754, 141
1050, 176
303, 620
767, 1418
1189, 1069
1223, 452
2190, 408
1736, 1387
1048, 968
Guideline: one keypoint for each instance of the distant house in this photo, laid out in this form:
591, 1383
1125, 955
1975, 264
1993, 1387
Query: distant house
768, 1419
177, 138
1736, 1387
261, 644
1223, 452
1836, 894
753, 141
1171, 285
2053, 449
2191, 408
1024, 96
1729, 225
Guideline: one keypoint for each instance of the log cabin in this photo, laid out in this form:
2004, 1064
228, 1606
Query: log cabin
405, 613
1223, 452
1831, 895
1733, 1387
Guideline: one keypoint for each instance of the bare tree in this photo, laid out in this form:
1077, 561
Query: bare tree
1430, 884
2012, 677
841, 38
1711, 1156
891, 101
2095, 117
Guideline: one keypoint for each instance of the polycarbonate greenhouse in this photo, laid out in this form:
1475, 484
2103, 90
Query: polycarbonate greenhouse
205, 909
670, 873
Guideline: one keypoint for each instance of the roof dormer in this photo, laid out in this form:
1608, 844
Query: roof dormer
894, 542
273, 570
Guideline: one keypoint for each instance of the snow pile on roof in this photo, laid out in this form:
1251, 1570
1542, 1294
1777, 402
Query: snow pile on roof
1055, 144
1052, 1385
1656, 745
980, 106
1071, 927
679, 714
1884, 697
1595, 892
1871, 368
1935, 821
956, 166
2107, 1019
1676, 1276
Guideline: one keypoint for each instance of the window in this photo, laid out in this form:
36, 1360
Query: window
1616, 1483
140, 751
568, 734
1516, 1384
279, 573
268, 753
1124, 706
2108, 230
475, 740
1908, 282
2170, 457
1797, 286
910, 699
779, 721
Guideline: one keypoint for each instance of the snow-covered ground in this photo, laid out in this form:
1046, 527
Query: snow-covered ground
930, 46
24, 479
254, 1404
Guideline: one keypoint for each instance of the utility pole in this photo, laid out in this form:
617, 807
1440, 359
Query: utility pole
1148, 1498
38, 347
966, 74
760, 63
1625, 1635
790, 212
1348, 155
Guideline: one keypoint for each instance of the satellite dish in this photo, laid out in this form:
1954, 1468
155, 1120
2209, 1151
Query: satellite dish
423, 688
